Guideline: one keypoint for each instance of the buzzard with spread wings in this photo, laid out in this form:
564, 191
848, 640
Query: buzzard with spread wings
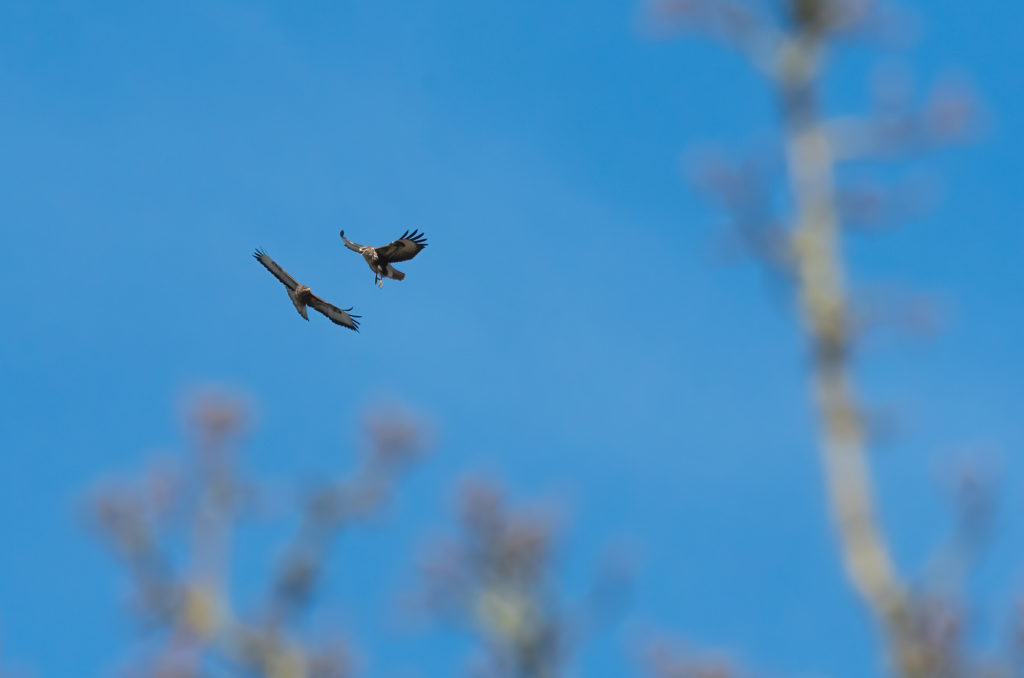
302, 297
380, 259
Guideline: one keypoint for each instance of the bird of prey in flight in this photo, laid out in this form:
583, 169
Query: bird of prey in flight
380, 259
302, 297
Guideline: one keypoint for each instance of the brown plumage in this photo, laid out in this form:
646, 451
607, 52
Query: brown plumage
407, 246
302, 297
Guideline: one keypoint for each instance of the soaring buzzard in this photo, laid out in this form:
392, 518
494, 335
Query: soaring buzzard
302, 297
380, 259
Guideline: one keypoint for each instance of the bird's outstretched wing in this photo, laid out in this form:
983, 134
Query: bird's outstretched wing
278, 272
355, 247
406, 247
338, 316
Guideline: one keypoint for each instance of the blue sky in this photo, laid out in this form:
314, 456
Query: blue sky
573, 327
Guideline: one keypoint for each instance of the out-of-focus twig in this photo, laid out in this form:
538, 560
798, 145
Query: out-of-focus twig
737, 23
393, 439
897, 128
670, 660
181, 583
495, 577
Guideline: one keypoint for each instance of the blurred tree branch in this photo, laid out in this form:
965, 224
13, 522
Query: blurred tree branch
824, 306
495, 577
790, 45
195, 628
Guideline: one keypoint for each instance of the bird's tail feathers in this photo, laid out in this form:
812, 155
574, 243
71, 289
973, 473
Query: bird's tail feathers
299, 306
394, 273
